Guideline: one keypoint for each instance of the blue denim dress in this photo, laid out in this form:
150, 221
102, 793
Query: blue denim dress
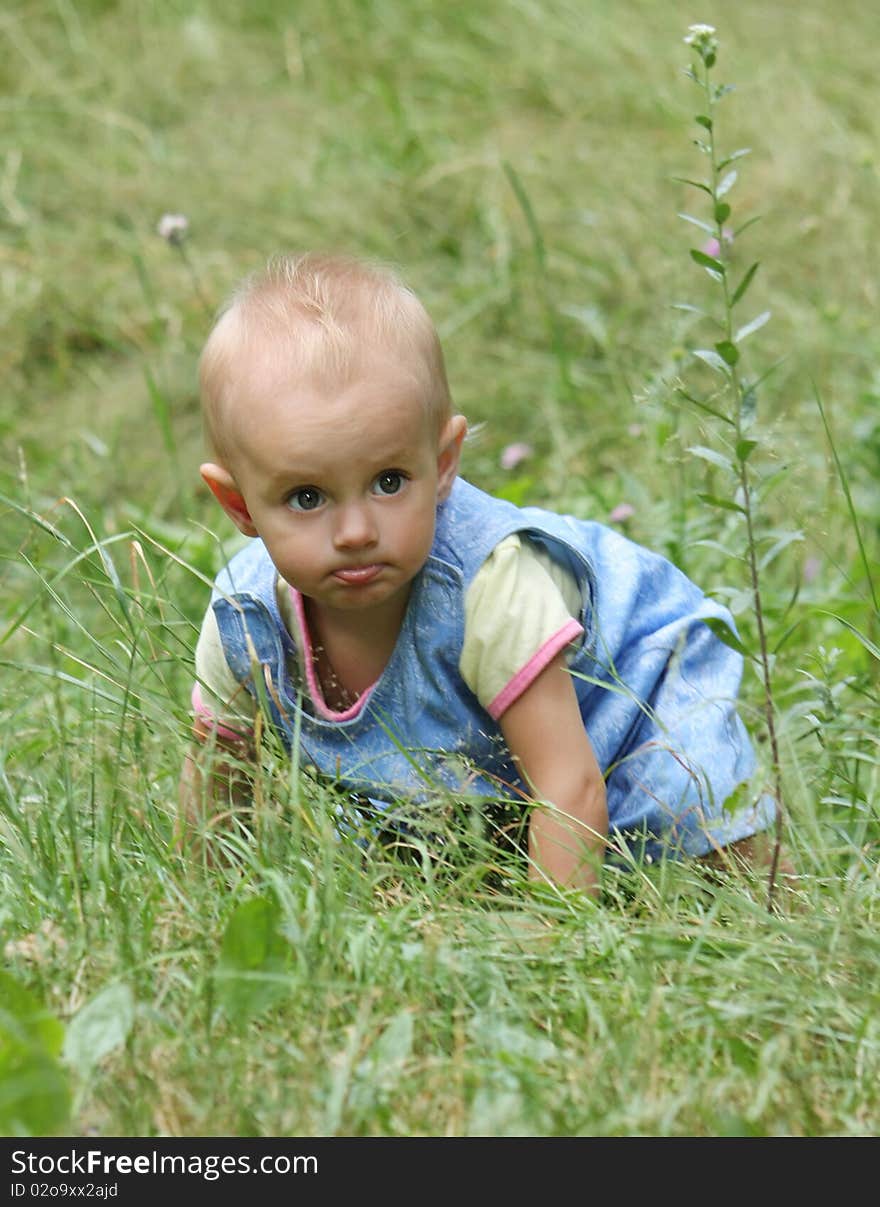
656, 687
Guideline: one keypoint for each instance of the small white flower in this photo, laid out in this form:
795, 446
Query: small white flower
696, 32
173, 227
703, 40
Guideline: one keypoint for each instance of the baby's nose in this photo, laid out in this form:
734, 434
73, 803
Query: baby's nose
355, 527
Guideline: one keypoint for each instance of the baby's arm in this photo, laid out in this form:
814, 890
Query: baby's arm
217, 777
215, 784
546, 736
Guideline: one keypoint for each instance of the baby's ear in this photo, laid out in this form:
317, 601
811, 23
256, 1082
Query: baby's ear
222, 486
449, 454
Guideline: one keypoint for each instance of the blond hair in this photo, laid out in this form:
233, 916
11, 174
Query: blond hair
316, 317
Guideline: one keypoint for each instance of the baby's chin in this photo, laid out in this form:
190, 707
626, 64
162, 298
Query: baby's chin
383, 589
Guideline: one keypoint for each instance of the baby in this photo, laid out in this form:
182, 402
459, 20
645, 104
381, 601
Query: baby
410, 634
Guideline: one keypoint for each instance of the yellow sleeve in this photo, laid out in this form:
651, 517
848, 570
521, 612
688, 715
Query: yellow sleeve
521, 610
218, 699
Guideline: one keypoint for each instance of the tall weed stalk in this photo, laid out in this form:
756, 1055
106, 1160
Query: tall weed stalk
733, 400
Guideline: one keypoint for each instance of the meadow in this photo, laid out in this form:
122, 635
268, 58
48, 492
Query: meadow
522, 163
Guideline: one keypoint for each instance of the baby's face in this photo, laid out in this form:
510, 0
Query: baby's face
342, 484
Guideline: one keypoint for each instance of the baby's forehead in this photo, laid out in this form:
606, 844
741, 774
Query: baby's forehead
271, 371
260, 367
272, 390
309, 432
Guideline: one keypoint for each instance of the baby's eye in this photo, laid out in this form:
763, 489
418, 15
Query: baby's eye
307, 498
390, 482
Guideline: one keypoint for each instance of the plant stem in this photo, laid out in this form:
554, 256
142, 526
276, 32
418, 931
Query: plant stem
194, 278
738, 390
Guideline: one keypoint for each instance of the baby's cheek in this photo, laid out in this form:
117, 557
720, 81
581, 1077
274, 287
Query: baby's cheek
420, 541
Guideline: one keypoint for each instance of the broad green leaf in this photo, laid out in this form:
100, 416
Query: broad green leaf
755, 325
728, 352
725, 633
726, 184
21, 1011
744, 283
254, 960
99, 1027
709, 454
34, 1089
700, 257
722, 212
35, 1094
725, 504
705, 122
745, 448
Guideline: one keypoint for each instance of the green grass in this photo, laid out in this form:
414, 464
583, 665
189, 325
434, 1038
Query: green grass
516, 161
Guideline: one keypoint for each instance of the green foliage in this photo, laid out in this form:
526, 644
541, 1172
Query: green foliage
735, 403
254, 959
99, 1027
34, 1091
300, 984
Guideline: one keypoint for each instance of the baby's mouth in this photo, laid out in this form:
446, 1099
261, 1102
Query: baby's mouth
358, 576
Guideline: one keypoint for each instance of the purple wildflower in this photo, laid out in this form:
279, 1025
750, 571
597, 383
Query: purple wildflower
515, 453
621, 513
715, 249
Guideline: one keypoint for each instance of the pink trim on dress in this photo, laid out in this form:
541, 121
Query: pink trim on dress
527, 674
203, 713
312, 679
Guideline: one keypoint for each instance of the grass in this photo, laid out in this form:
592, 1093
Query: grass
516, 161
